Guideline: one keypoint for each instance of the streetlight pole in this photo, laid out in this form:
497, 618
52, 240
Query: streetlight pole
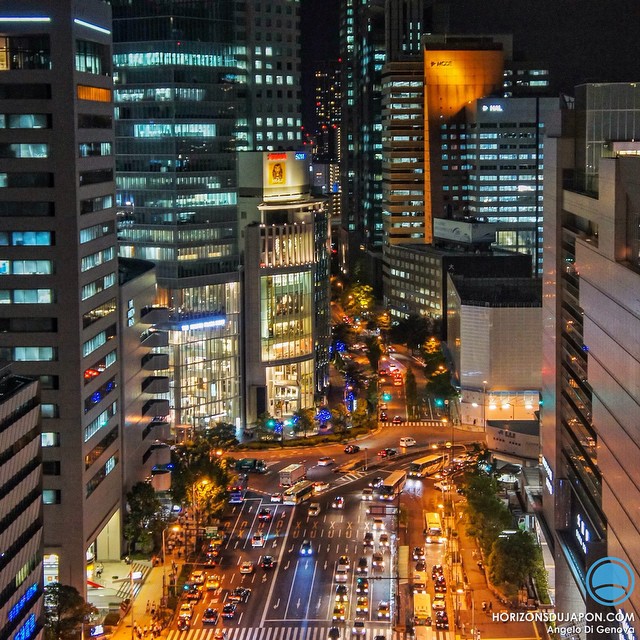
133, 575
484, 407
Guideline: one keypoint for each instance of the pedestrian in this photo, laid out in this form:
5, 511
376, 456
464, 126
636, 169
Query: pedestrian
148, 606
490, 605
153, 610
484, 605
144, 631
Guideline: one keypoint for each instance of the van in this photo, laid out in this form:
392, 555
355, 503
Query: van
407, 442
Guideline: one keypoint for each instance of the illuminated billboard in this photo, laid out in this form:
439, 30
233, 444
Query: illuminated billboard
285, 175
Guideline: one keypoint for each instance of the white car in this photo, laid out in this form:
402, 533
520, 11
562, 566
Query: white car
367, 493
319, 487
246, 567
407, 442
358, 627
325, 461
378, 523
314, 509
257, 540
439, 603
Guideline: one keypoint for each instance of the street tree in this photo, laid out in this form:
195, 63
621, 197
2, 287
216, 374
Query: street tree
513, 558
362, 416
411, 391
374, 351
65, 612
340, 419
143, 518
412, 331
304, 421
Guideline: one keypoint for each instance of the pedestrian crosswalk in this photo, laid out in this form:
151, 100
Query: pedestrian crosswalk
299, 630
349, 477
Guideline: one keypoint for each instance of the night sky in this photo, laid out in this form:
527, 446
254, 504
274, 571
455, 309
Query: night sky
578, 40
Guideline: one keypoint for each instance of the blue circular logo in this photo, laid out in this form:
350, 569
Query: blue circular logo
610, 581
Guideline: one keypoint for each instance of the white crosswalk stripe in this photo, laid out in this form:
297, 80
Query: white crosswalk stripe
297, 630
350, 477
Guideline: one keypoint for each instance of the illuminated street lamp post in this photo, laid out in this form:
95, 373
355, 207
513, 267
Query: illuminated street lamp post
133, 575
164, 558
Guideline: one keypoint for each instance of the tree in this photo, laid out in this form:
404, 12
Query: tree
374, 353
411, 391
65, 612
303, 420
361, 417
340, 419
143, 518
513, 558
413, 331
221, 436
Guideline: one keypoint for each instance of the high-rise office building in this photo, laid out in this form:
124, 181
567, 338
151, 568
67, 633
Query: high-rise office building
328, 112
58, 263
21, 523
590, 439
194, 87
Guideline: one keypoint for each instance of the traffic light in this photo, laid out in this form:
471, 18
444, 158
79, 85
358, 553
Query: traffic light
271, 423
386, 397
439, 402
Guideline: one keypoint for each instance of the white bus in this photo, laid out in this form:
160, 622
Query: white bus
298, 493
433, 528
427, 465
392, 485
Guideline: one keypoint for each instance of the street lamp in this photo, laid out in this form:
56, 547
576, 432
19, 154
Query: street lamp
484, 406
164, 557
196, 511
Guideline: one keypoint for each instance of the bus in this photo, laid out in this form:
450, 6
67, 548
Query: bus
392, 485
298, 493
433, 528
427, 465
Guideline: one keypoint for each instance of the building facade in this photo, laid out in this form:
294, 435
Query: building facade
21, 602
286, 280
58, 254
590, 436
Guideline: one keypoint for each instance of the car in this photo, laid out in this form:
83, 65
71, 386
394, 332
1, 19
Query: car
442, 620
344, 564
383, 415
421, 565
383, 405
443, 486
319, 487
339, 612
377, 561
338, 502
186, 610
212, 559
229, 610
397, 419
247, 567
197, 577
362, 604
387, 453
362, 566
265, 515
397, 382
239, 594
440, 585
367, 493
325, 461
342, 593
439, 603
220, 634
407, 442
384, 611
258, 540
368, 539
276, 497
334, 633
376, 482
437, 570
212, 582
384, 540
352, 448
358, 628
267, 562
378, 523
184, 624
210, 616
214, 548
362, 585
418, 553
314, 509
193, 592
305, 548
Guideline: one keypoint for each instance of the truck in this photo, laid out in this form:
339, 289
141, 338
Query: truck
251, 465
421, 608
291, 474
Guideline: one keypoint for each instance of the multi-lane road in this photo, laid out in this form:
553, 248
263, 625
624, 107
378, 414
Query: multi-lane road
297, 598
